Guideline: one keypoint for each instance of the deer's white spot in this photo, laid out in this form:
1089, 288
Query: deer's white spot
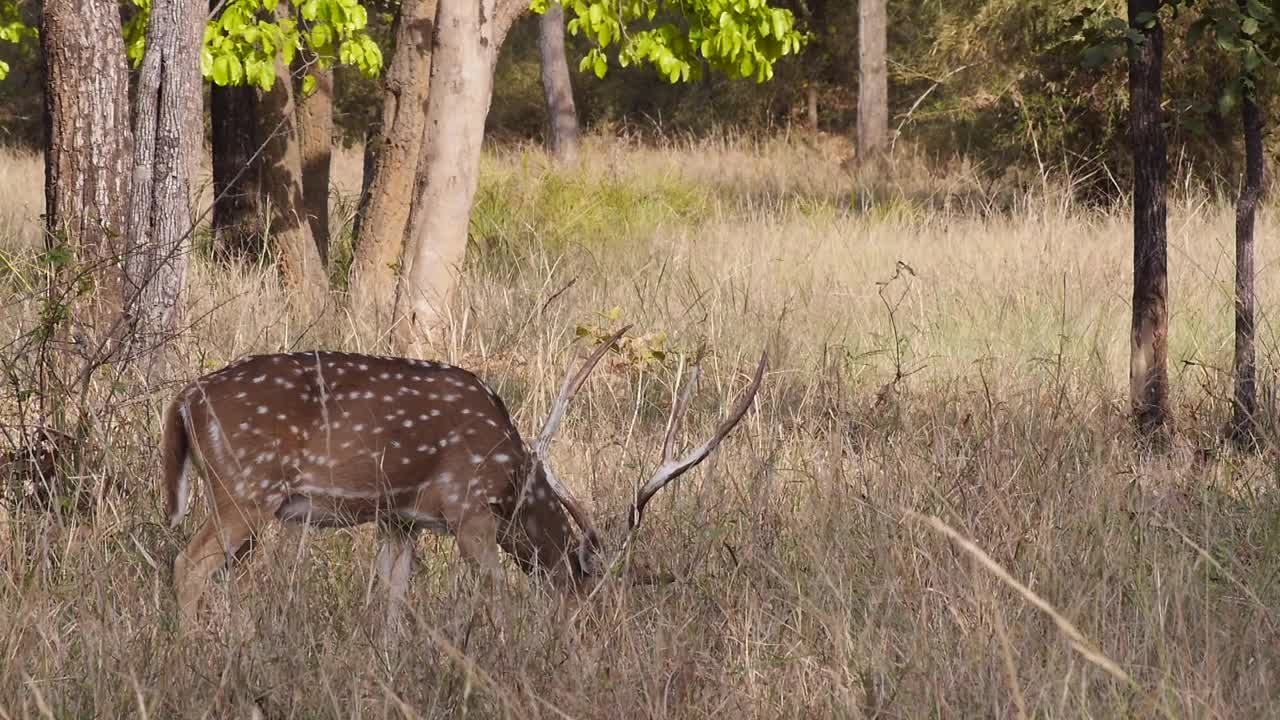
368, 394
377, 430
260, 378
477, 459
240, 395
264, 457
466, 411
262, 409
404, 460
385, 376
451, 397
408, 423
358, 427
281, 416
433, 396
491, 423
502, 458
435, 412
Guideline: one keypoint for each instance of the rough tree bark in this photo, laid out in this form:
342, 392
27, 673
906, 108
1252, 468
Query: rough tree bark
464, 55
873, 79
168, 112
1243, 421
315, 132
1148, 359
387, 201
301, 268
562, 115
88, 153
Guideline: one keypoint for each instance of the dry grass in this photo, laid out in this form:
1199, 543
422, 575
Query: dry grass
1078, 580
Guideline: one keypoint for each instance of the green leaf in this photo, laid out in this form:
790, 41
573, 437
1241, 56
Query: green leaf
1258, 10
1230, 97
1196, 31
308, 85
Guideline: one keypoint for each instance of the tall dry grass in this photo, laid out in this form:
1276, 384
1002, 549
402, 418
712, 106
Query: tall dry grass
810, 581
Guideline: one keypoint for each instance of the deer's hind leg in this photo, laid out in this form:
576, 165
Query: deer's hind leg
226, 535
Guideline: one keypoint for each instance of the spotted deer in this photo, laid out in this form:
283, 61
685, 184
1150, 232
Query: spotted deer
336, 439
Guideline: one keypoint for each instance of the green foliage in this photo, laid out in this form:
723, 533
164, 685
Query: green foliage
737, 37
242, 43
557, 209
12, 29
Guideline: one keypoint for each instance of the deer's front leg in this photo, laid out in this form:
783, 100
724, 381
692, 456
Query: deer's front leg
395, 569
478, 544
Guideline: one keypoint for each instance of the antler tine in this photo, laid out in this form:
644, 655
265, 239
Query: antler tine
572, 382
681, 406
671, 468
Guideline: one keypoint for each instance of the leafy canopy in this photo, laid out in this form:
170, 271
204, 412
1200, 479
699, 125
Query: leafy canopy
1249, 31
736, 37
12, 29
242, 43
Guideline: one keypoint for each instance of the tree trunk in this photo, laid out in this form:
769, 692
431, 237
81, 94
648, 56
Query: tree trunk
389, 197
811, 98
1243, 422
1148, 360
315, 130
562, 116
464, 55
873, 79
87, 156
168, 113
301, 268
237, 213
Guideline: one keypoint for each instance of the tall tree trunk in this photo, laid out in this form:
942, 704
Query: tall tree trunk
873, 79
562, 116
811, 102
1243, 422
87, 158
390, 193
168, 113
1148, 360
315, 130
464, 55
301, 268
237, 184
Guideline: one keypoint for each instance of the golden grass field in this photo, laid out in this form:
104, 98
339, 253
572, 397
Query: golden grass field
977, 540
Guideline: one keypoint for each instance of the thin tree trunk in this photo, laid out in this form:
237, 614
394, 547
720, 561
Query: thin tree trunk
562, 115
315, 130
1148, 361
168, 113
87, 159
301, 268
238, 216
873, 79
463, 61
1243, 423
811, 98
389, 197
